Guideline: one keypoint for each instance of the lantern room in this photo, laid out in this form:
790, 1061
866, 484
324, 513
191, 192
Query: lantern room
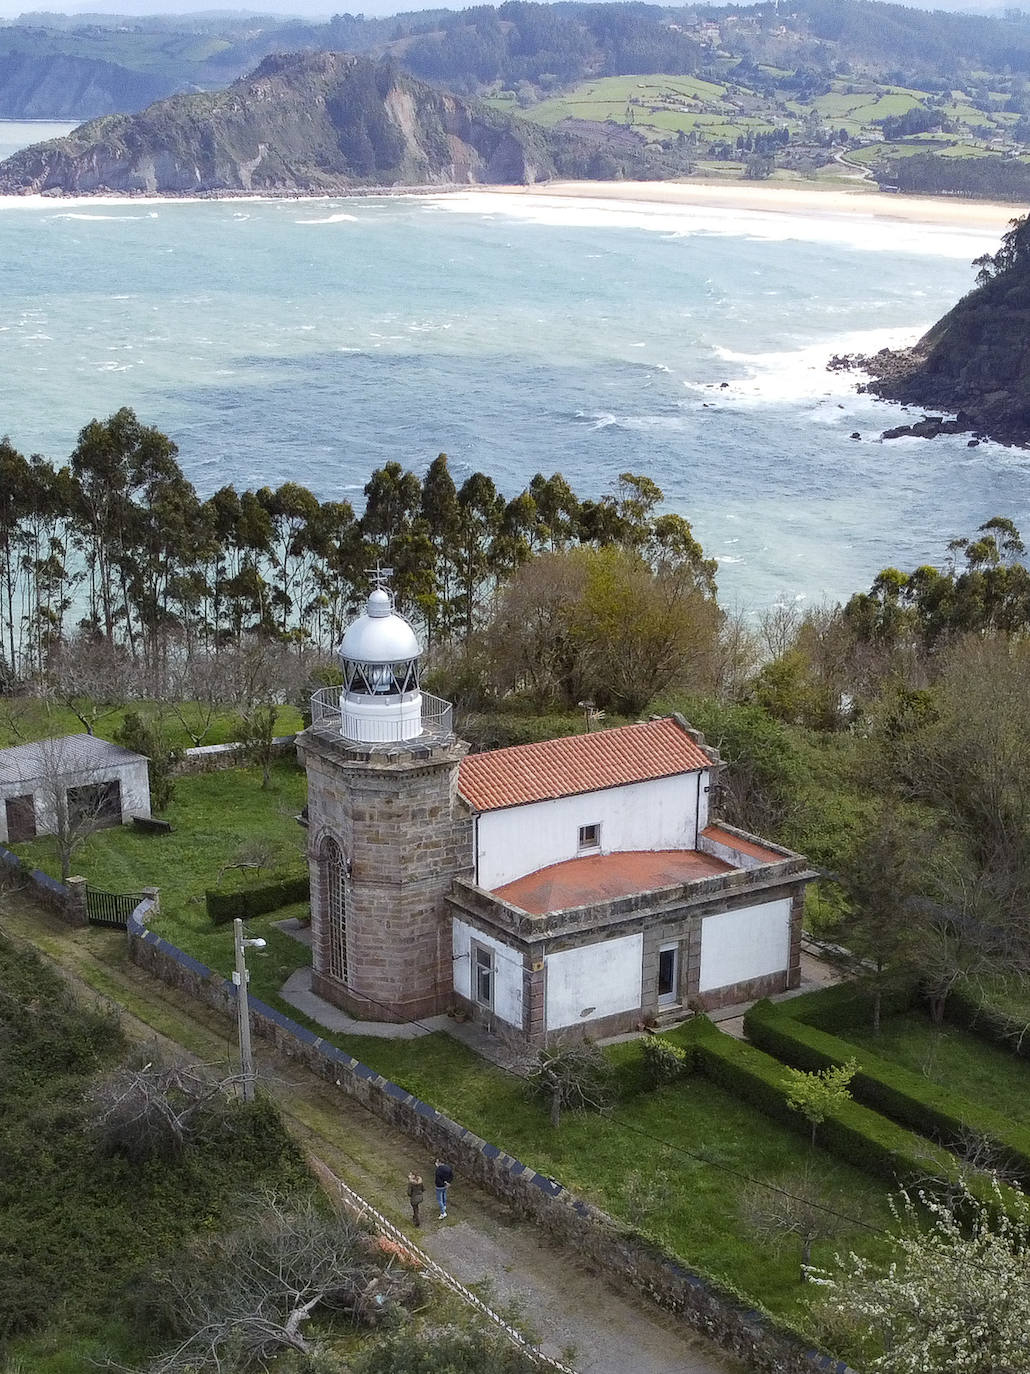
380, 698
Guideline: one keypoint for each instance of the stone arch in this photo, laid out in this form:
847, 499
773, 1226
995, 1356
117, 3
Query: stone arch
332, 868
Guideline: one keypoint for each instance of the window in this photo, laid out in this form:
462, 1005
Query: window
334, 908
590, 836
483, 975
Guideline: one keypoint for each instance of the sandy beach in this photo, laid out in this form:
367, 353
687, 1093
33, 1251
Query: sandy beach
769, 198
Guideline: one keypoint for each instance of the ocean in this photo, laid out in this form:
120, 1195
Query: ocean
314, 340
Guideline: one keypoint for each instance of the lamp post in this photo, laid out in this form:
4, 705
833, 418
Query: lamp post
241, 977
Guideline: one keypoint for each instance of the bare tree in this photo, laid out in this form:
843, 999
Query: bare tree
239, 1299
574, 1075
72, 796
151, 1110
93, 679
794, 1208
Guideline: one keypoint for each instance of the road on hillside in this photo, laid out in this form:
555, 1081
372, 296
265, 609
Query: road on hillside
576, 1314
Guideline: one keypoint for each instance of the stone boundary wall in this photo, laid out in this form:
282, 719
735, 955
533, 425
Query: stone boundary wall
751, 1336
212, 758
48, 891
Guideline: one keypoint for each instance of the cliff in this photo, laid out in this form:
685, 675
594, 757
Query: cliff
304, 122
64, 87
976, 360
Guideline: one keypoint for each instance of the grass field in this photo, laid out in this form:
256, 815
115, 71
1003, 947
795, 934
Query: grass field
28, 718
955, 1059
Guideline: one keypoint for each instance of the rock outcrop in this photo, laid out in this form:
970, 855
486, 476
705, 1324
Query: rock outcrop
305, 122
975, 362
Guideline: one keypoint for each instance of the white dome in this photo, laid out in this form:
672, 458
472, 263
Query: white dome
380, 635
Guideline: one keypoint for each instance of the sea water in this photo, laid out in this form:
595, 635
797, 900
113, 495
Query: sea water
313, 340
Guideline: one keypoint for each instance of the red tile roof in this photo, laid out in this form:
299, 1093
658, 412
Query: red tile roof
578, 763
603, 877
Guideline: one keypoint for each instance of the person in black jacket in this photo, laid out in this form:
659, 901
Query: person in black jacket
444, 1176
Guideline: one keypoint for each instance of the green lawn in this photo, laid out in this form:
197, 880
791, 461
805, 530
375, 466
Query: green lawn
956, 1059
28, 718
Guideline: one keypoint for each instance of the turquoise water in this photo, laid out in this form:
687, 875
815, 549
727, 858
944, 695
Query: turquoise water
317, 339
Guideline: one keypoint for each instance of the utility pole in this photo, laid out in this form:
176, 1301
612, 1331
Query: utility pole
241, 978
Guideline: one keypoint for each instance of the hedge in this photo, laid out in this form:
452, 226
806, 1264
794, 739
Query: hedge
255, 901
854, 1133
784, 1030
963, 1008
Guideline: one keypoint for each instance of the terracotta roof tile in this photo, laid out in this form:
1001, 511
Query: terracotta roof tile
578, 763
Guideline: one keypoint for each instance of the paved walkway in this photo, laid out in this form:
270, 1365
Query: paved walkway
606, 1330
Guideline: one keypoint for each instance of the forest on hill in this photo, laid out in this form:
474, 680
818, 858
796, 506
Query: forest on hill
920, 100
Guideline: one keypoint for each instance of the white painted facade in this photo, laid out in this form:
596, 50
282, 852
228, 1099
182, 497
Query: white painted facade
508, 972
592, 981
661, 813
747, 943
24, 775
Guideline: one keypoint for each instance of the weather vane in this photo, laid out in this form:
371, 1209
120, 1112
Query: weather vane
379, 577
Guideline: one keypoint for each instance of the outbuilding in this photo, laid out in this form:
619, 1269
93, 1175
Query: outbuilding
79, 776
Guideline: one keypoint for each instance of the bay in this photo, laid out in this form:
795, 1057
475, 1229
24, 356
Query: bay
314, 340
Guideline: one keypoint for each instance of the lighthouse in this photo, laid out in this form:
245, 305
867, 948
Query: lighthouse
387, 829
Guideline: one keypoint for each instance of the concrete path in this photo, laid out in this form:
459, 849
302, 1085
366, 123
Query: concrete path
574, 1311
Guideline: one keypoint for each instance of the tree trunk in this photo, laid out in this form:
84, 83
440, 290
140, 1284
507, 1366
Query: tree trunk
877, 1000
806, 1257
555, 1109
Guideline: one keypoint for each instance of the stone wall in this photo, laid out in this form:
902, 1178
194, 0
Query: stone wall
764, 1345
70, 906
213, 758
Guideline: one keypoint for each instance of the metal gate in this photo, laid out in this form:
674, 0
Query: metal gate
111, 908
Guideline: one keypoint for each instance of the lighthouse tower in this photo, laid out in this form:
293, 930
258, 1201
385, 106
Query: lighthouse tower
387, 831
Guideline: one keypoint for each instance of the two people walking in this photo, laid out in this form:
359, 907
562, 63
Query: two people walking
443, 1178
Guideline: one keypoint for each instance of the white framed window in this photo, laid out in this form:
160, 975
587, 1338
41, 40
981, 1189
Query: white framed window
334, 907
483, 975
590, 836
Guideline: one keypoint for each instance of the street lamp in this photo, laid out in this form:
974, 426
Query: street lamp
241, 978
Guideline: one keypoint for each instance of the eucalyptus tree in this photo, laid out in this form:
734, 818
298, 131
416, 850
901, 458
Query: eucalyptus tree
481, 512
15, 505
558, 511
440, 514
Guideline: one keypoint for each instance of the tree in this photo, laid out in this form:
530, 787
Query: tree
70, 795
816, 1095
664, 1062
792, 1208
880, 877
574, 1075
153, 1111
238, 1299
956, 1297
148, 734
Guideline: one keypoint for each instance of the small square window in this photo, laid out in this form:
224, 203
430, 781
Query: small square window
590, 836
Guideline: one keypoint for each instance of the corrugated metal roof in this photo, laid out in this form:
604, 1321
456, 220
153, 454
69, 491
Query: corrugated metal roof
578, 763
61, 755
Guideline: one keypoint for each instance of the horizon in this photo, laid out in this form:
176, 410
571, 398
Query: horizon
319, 10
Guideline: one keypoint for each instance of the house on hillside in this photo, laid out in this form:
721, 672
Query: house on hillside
579, 886
91, 779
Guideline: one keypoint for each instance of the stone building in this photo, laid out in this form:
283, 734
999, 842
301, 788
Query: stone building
579, 885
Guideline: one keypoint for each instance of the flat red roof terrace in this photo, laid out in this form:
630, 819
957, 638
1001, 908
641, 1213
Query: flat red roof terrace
603, 877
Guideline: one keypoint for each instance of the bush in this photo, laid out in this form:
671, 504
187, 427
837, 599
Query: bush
1012, 1033
256, 901
663, 1061
897, 1092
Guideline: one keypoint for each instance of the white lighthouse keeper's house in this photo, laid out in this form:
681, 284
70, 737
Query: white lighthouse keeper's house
580, 885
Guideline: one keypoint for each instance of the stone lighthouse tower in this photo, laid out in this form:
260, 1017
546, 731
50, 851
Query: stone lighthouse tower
387, 830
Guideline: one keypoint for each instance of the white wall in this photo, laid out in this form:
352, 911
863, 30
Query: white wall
135, 792
605, 976
658, 814
748, 943
508, 971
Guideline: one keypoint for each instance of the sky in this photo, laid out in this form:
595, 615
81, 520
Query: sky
321, 9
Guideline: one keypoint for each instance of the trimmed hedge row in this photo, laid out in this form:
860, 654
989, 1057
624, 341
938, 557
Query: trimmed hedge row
907, 1097
856, 1134
999, 1027
256, 901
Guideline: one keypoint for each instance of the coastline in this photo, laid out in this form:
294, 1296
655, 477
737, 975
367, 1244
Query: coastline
744, 197
770, 198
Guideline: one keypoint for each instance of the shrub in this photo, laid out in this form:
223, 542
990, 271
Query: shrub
256, 901
897, 1092
663, 1061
